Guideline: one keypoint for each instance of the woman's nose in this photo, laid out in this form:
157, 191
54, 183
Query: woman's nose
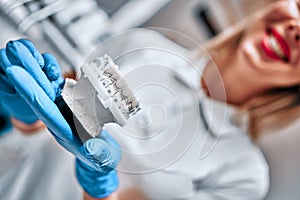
294, 31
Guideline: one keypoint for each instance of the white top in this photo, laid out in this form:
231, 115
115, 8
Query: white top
35, 167
184, 145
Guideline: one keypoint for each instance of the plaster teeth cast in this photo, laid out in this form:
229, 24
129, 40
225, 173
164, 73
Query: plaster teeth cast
100, 96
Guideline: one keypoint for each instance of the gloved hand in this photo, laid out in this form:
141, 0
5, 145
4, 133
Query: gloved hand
5, 124
97, 158
11, 100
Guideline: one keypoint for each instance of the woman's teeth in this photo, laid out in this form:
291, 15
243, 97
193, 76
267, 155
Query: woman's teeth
275, 46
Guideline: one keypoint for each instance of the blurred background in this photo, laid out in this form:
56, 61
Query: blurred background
71, 29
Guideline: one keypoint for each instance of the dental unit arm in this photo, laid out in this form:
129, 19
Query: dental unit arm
100, 96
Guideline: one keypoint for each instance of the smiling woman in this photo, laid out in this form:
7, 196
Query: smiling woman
260, 66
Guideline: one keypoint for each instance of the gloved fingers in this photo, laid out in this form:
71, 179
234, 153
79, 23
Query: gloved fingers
115, 147
15, 105
18, 54
101, 154
107, 137
5, 86
34, 52
43, 107
5, 124
53, 72
4, 62
51, 68
97, 185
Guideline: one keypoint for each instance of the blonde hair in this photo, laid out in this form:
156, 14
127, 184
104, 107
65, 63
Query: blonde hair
272, 109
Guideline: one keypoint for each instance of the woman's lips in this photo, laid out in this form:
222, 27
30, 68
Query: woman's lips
275, 46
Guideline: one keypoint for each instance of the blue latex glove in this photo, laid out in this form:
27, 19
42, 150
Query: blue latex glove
5, 123
11, 100
97, 158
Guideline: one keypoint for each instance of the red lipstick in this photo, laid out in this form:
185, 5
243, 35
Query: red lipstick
275, 46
